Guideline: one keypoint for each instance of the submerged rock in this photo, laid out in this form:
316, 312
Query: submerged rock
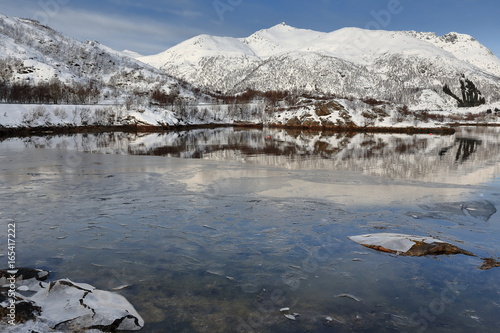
407, 245
24, 274
480, 210
489, 263
69, 306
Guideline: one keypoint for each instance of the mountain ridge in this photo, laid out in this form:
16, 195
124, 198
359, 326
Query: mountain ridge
345, 62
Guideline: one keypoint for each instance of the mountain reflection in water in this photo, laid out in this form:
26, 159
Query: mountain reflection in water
450, 158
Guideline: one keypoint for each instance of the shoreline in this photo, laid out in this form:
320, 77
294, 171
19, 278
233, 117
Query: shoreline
6, 132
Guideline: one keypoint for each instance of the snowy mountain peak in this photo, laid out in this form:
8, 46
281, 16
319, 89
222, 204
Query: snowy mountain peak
278, 39
464, 47
278, 28
281, 27
132, 54
454, 37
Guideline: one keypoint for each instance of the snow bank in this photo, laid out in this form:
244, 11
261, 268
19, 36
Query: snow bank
340, 113
31, 115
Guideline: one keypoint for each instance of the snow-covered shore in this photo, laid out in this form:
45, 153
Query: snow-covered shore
50, 115
339, 114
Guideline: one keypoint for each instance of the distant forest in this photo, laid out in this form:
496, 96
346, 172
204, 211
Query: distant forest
52, 92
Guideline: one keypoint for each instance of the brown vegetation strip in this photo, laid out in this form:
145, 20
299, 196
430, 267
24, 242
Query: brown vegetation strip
50, 130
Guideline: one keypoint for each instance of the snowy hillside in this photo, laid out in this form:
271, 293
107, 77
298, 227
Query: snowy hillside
402, 67
465, 48
35, 54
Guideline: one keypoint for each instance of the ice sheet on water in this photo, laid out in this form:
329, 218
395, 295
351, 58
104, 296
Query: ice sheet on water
395, 242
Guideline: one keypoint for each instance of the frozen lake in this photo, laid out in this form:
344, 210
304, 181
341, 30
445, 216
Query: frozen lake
217, 230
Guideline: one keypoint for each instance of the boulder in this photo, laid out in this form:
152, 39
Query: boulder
407, 245
68, 306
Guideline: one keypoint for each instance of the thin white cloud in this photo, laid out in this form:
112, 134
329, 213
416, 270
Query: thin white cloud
18, 8
140, 34
136, 33
190, 14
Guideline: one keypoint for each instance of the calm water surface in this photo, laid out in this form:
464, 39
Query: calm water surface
216, 230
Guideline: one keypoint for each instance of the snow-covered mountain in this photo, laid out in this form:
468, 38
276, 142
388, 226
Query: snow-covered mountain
350, 78
402, 67
464, 47
31, 53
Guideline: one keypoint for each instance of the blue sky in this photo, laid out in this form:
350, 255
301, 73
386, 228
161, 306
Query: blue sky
152, 26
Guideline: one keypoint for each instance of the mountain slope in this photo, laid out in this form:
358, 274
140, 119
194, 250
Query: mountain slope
397, 66
465, 48
63, 82
34, 53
